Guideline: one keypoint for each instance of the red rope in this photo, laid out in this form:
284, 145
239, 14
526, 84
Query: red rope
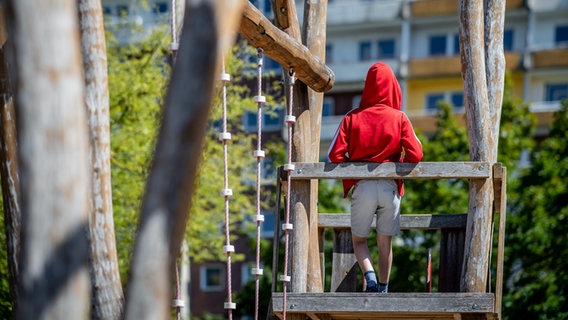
290, 120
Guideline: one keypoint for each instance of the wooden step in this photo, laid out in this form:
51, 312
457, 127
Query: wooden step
362, 305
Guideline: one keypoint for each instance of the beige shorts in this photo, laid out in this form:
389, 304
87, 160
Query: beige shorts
375, 197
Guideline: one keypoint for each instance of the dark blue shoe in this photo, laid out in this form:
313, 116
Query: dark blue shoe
372, 289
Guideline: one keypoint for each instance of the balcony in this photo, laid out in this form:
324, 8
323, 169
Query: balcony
432, 8
551, 58
354, 72
451, 65
356, 11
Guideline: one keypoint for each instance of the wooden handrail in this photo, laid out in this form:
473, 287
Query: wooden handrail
391, 170
407, 221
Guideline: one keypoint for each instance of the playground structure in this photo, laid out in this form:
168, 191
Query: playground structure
466, 240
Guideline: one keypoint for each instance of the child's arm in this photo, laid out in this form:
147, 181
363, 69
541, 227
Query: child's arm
410, 142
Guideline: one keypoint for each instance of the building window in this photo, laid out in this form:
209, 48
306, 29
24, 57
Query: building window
386, 48
432, 101
270, 64
561, 34
556, 92
107, 10
437, 45
456, 44
329, 53
364, 51
122, 10
508, 40
457, 99
267, 226
212, 277
271, 120
161, 7
328, 108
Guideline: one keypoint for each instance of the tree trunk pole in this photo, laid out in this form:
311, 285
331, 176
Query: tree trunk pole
9, 170
208, 32
106, 286
300, 198
314, 36
481, 142
54, 157
495, 65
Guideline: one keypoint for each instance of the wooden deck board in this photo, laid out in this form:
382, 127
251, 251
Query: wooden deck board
355, 305
391, 170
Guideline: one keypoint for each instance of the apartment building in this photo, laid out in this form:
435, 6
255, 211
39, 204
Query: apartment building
419, 40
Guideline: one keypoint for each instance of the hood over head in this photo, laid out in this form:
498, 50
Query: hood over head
381, 88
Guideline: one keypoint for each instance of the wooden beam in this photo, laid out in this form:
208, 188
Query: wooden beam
392, 170
407, 221
500, 182
282, 48
403, 304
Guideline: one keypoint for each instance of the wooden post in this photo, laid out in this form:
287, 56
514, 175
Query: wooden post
105, 275
314, 36
345, 268
54, 157
9, 169
171, 181
300, 198
483, 126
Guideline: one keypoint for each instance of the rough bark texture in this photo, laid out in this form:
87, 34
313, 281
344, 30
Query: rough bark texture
206, 36
494, 65
105, 276
481, 142
9, 169
53, 153
314, 36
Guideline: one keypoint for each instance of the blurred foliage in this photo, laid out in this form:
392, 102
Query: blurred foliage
536, 283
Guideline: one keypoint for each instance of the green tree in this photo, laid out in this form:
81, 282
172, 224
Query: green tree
537, 274
138, 76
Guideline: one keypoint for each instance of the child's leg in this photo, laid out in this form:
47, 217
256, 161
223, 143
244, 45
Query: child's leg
384, 244
364, 259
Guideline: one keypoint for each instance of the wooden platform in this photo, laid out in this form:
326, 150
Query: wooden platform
362, 305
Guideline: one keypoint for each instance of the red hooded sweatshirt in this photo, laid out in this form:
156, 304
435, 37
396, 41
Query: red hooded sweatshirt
377, 131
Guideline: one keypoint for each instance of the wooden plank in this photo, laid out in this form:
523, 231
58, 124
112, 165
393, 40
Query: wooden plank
500, 172
362, 302
392, 170
290, 53
407, 221
344, 264
451, 257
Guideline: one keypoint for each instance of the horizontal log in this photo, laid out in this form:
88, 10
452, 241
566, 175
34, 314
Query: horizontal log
261, 33
391, 170
407, 221
399, 303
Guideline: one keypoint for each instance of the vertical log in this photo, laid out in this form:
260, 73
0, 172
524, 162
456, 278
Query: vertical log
9, 169
344, 264
300, 199
53, 154
494, 65
106, 286
314, 36
207, 34
478, 238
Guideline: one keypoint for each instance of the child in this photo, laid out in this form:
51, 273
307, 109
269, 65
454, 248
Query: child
376, 131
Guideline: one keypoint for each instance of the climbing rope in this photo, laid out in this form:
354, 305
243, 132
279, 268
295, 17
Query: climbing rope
259, 155
177, 302
174, 45
288, 167
226, 192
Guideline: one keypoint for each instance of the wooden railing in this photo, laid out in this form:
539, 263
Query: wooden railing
452, 226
